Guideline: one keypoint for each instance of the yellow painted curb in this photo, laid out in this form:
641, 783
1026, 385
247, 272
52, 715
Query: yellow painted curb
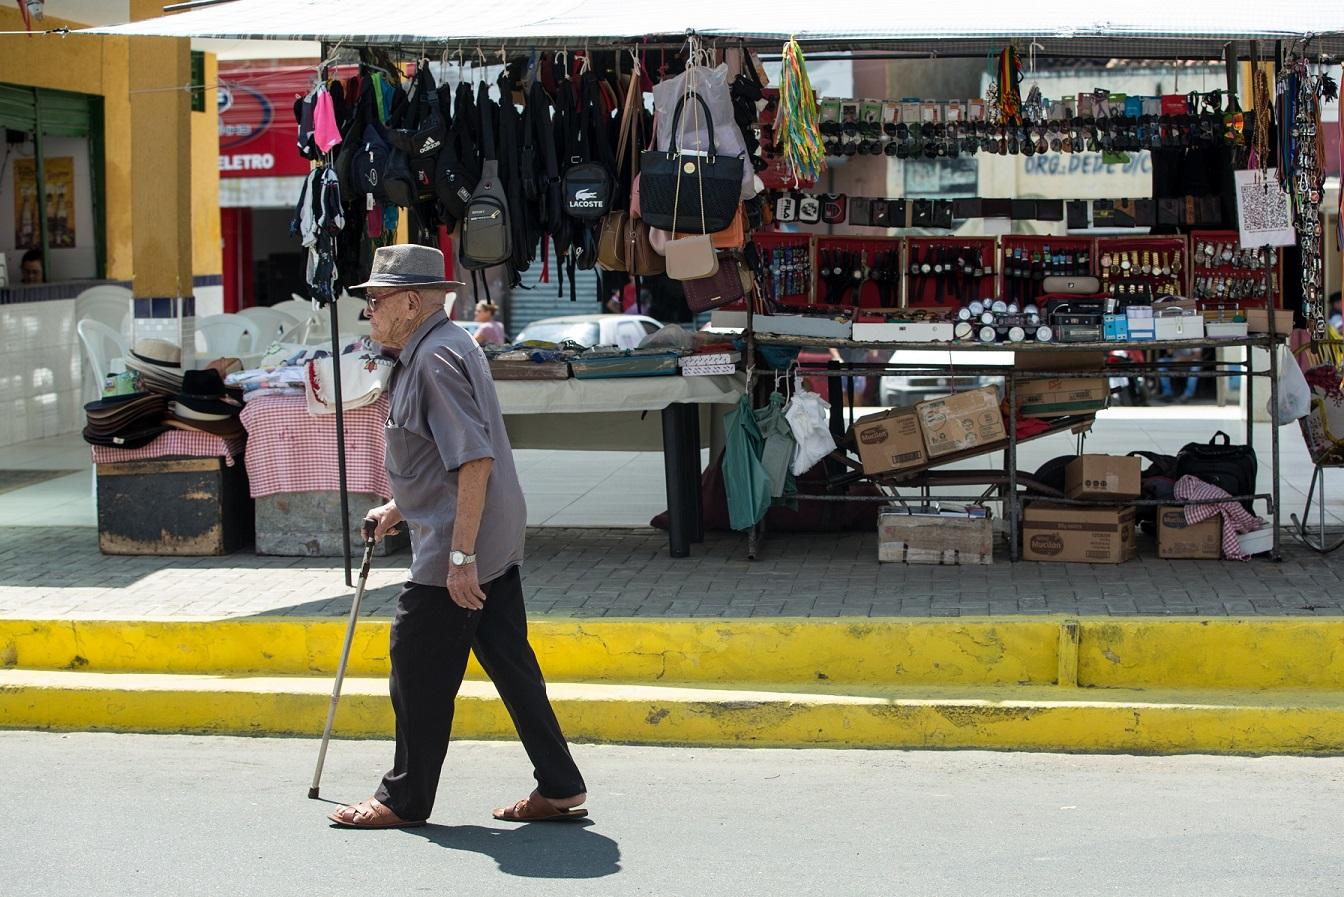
869, 652
1258, 653
1005, 719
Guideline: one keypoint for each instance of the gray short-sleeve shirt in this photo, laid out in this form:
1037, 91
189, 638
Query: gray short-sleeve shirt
444, 413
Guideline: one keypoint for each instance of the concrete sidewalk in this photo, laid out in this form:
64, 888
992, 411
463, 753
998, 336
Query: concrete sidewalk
58, 573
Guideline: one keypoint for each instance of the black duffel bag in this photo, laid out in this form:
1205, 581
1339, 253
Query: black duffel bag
1231, 468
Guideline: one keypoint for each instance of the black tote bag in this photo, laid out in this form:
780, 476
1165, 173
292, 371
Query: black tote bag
687, 192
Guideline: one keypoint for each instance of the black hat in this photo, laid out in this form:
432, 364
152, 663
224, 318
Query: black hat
127, 439
203, 392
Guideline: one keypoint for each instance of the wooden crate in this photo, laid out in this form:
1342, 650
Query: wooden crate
934, 539
189, 506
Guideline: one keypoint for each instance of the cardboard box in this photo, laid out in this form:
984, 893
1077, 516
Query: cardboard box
890, 440
1257, 321
1179, 540
1061, 396
932, 538
1139, 322
961, 421
1114, 328
1077, 535
1103, 477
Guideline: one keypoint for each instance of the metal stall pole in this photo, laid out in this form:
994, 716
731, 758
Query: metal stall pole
1277, 554
835, 395
340, 438
1010, 456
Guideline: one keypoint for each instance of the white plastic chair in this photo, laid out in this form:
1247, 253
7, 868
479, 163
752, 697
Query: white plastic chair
107, 304
101, 344
348, 309
270, 325
224, 336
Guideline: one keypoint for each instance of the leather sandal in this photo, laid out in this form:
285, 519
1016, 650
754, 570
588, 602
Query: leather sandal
535, 808
369, 814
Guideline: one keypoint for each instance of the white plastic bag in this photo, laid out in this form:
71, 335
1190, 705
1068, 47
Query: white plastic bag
712, 86
808, 416
1294, 400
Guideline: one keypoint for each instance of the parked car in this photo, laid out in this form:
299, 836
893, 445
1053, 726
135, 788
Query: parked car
903, 389
626, 331
469, 326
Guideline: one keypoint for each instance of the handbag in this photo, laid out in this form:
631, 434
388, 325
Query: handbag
732, 237
613, 236
692, 258
731, 283
685, 191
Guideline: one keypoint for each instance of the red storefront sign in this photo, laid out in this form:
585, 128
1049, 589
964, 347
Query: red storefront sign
257, 132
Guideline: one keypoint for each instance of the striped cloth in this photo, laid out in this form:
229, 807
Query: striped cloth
174, 444
290, 450
1236, 519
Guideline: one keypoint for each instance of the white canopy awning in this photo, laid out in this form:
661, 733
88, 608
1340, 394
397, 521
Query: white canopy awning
1135, 28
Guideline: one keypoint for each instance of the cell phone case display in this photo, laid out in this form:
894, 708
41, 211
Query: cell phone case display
1223, 273
1142, 267
949, 271
786, 260
1028, 261
859, 272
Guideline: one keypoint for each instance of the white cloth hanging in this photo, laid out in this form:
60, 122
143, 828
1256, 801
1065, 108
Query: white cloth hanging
808, 415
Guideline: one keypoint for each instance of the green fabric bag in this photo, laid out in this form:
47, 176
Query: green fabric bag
744, 476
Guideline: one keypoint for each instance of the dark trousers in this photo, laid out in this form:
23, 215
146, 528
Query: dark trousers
431, 639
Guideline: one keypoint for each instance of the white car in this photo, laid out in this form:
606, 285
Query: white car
625, 331
908, 389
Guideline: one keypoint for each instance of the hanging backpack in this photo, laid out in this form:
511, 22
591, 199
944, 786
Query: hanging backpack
458, 167
486, 228
413, 162
509, 138
589, 185
370, 163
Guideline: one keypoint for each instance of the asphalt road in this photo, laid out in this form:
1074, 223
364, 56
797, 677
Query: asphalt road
99, 814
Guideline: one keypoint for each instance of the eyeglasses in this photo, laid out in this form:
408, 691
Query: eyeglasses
373, 301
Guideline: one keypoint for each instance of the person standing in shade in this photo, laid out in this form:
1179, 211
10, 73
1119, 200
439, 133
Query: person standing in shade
31, 269
455, 485
491, 332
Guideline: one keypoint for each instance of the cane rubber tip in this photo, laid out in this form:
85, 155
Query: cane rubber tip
312, 793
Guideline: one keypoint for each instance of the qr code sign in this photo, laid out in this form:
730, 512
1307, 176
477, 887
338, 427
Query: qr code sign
1264, 214
1263, 207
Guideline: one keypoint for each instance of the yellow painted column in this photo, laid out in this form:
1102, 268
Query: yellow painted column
161, 190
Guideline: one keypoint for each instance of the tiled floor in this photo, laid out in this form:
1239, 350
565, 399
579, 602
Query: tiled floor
626, 488
590, 553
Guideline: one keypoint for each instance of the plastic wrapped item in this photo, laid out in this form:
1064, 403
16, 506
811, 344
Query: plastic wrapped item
712, 86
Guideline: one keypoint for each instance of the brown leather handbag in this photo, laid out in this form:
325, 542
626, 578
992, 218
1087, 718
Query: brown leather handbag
612, 241
732, 282
617, 231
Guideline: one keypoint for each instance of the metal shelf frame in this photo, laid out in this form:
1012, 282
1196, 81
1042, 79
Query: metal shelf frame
1009, 495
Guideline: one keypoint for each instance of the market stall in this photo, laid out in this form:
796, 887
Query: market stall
728, 197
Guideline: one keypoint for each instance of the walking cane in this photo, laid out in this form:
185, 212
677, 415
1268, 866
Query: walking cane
366, 530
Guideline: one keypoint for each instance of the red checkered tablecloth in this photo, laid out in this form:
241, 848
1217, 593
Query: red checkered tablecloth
174, 443
290, 450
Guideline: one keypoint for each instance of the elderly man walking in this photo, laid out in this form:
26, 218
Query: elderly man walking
454, 484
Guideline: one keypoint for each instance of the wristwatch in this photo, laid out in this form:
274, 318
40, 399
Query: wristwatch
461, 558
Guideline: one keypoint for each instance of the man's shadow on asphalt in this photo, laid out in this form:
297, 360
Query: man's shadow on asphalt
537, 850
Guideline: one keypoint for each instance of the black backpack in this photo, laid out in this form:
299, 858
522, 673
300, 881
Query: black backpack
486, 225
1231, 468
370, 163
510, 168
413, 162
589, 185
458, 167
